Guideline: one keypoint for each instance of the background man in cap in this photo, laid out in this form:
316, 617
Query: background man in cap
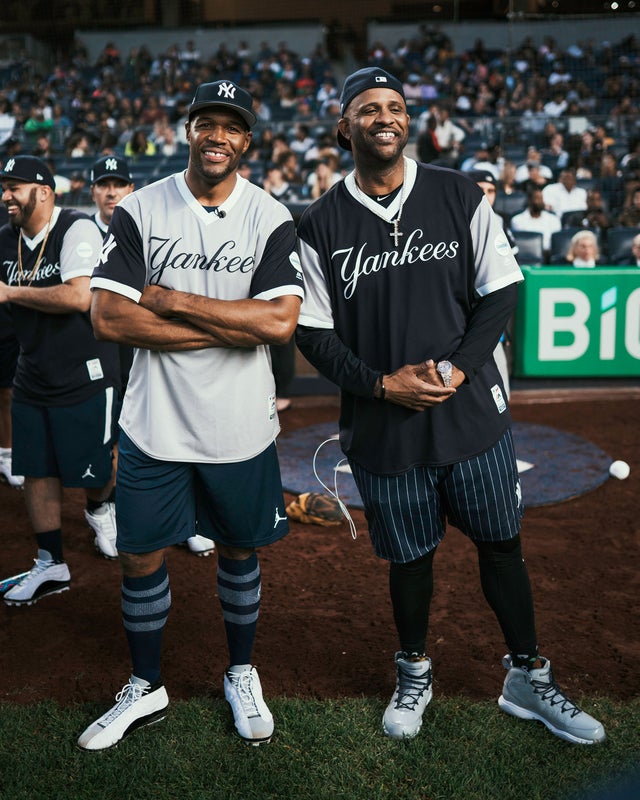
66, 381
110, 181
410, 281
199, 273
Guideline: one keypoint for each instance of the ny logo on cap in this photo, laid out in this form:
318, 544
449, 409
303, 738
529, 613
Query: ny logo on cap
10, 165
380, 79
227, 89
111, 163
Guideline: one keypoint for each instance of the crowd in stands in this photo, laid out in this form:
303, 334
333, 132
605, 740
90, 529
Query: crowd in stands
554, 126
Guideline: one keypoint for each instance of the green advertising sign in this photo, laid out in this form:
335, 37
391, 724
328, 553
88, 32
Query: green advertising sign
574, 322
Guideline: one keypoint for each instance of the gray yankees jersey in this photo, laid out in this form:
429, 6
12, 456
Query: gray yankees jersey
213, 405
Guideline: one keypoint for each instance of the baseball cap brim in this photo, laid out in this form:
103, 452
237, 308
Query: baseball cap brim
248, 116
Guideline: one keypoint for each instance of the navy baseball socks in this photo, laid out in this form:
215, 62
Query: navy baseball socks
146, 602
402, 718
531, 693
239, 589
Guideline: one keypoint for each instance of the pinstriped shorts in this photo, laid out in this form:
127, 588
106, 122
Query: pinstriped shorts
408, 513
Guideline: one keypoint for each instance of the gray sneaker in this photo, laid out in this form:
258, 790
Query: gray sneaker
402, 718
533, 694
46, 577
243, 692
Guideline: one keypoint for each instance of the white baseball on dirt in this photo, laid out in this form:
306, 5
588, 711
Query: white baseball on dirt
619, 469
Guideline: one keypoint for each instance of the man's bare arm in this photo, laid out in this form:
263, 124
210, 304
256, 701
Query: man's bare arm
117, 318
63, 298
235, 323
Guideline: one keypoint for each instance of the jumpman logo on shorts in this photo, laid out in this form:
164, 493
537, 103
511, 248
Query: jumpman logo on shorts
88, 473
278, 519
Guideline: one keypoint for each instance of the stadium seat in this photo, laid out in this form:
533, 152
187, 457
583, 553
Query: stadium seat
297, 209
530, 249
509, 204
619, 244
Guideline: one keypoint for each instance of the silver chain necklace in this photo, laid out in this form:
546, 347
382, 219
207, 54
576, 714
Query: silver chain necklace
395, 234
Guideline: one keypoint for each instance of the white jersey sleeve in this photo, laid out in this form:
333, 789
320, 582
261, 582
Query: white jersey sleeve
80, 250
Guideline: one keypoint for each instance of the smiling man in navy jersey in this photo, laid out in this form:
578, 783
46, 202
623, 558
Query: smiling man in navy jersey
409, 282
199, 273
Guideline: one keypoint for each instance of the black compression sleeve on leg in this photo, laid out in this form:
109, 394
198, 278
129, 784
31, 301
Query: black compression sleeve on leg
506, 587
411, 588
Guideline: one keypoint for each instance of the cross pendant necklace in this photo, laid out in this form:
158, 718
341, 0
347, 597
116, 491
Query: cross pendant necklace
396, 233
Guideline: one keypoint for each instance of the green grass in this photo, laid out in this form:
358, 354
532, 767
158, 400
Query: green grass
322, 750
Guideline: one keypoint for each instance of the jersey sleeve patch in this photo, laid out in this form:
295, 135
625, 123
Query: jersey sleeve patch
122, 257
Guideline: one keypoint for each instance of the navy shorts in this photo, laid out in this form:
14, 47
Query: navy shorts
238, 504
407, 514
73, 443
9, 350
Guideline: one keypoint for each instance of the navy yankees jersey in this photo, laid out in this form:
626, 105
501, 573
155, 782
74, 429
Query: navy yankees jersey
396, 304
217, 404
61, 362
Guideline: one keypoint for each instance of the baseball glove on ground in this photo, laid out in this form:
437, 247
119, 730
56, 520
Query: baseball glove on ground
315, 508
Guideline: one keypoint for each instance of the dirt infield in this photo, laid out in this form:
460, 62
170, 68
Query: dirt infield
326, 627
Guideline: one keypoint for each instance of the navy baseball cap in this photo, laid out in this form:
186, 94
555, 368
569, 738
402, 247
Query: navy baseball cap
482, 176
360, 81
29, 169
110, 167
227, 94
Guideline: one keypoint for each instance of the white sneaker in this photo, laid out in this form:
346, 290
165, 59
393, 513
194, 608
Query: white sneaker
47, 577
137, 704
16, 481
103, 523
402, 718
200, 545
243, 692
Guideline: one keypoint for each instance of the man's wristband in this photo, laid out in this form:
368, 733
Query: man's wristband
378, 389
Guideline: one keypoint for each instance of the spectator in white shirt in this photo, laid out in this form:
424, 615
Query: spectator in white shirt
556, 106
565, 195
533, 161
536, 218
450, 136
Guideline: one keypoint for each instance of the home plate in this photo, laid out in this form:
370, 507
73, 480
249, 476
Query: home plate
347, 468
553, 465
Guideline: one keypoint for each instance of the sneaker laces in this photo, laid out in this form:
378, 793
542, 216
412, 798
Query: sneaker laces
552, 694
128, 695
411, 688
38, 569
243, 682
